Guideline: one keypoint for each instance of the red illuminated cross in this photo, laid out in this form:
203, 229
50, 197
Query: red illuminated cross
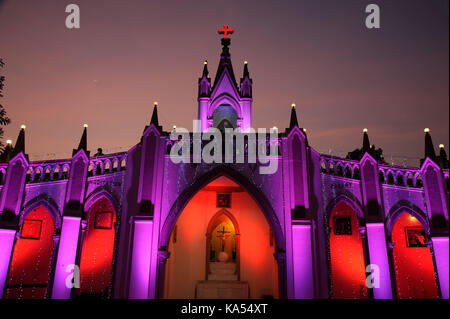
225, 31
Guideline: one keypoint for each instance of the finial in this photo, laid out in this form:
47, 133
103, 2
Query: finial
85, 125
155, 103
304, 130
427, 130
293, 104
205, 62
364, 130
9, 142
225, 31
441, 145
245, 62
23, 126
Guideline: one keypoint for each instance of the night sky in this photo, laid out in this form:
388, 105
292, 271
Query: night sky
318, 54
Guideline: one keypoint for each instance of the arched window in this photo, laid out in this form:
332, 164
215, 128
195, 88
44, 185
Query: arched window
31, 260
97, 250
47, 174
222, 241
224, 116
346, 254
381, 177
37, 175
414, 270
107, 167
348, 172
55, 175
65, 173
356, 173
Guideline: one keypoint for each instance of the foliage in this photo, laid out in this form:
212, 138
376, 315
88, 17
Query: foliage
4, 119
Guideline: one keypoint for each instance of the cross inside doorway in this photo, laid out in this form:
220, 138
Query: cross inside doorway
223, 235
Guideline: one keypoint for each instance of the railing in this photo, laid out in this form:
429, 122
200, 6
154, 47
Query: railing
106, 164
44, 171
387, 174
339, 166
54, 170
400, 176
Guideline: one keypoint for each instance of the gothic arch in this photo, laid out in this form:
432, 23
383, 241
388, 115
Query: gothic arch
48, 203
98, 242
31, 267
258, 196
238, 178
225, 98
410, 254
349, 199
405, 207
210, 228
99, 193
223, 211
345, 249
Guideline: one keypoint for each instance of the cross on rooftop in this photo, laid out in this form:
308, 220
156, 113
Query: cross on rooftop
225, 31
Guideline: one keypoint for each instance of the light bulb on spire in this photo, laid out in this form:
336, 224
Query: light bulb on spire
293, 104
23, 126
427, 130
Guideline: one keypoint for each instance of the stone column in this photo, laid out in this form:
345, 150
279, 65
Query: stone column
280, 257
302, 261
55, 238
378, 254
7, 237
67, 252
441, 258
140, 260
362, 231
162, 259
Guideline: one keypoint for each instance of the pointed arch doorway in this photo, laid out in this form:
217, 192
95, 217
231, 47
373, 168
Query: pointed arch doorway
221, 217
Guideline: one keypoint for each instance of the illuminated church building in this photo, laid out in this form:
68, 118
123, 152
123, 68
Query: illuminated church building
139, 225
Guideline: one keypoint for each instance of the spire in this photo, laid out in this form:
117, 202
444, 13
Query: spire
225, 60
443, 156
204, 83
6, 155
83, 142
20, 143
154, 119
246, 82
294, 121
205, 69
246, 73
429, 148
366, 142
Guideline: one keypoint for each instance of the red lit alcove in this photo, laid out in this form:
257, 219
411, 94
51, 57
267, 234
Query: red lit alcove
30, 265
97, 250
414, 270
347, 255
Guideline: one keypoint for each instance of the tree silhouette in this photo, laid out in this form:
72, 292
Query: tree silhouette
376, 153
4, 119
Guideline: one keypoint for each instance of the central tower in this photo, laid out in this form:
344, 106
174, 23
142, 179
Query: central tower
225, 103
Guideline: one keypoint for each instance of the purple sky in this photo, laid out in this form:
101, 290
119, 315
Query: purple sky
318, 54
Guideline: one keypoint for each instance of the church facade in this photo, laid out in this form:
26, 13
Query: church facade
137, 224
